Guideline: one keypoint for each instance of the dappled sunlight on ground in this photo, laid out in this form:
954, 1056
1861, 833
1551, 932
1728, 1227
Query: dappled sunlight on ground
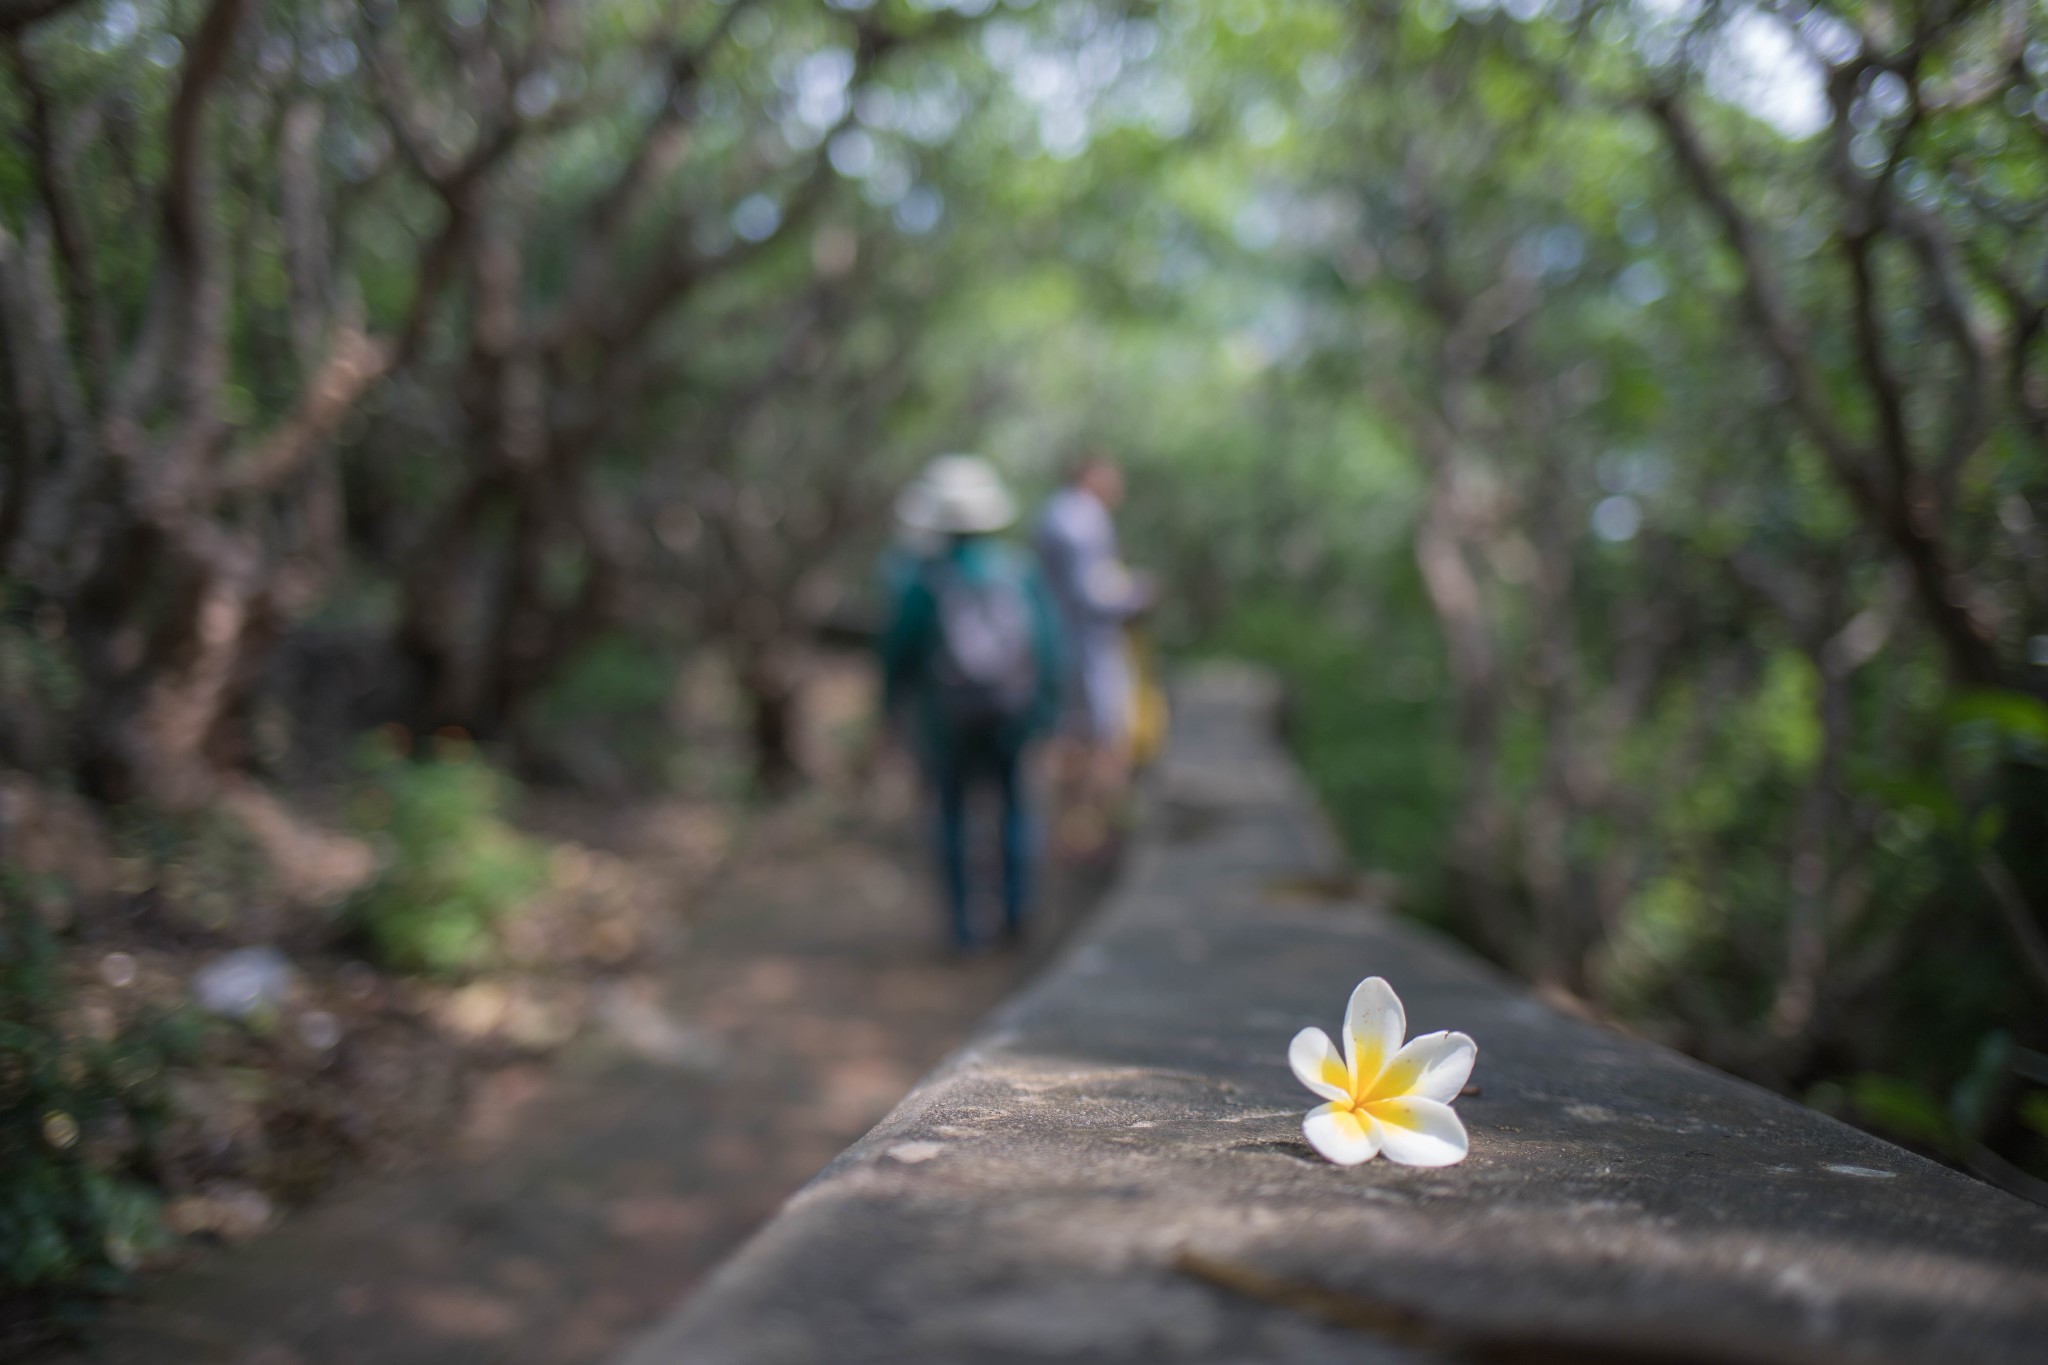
580, 1198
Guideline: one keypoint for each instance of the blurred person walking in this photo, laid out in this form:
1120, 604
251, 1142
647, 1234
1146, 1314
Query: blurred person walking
971, 670
1097, 596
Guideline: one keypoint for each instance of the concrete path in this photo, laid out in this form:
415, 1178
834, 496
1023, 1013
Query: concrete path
583, 1198
1114, 1169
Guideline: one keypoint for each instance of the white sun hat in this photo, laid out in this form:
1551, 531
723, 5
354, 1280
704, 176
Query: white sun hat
957, 495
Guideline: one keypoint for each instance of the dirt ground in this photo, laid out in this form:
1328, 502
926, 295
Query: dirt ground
582, 1196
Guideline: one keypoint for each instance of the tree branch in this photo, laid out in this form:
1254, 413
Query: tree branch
2015, 915
353, 363
74, 246
659, 142
1901, 508
191, 247
48, 389
17, 15
1893, 443
1941, 268
680, 269
1764, 297
305, 228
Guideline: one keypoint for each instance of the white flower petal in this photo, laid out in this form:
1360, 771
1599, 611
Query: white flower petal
1341, 1135
1417, 1132
1373, 1024
1434, 1066
1317, 1065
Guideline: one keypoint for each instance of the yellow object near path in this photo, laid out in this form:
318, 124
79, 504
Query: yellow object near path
1149, 717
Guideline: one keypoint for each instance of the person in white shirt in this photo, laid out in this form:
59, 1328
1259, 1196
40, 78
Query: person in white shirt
1096, 595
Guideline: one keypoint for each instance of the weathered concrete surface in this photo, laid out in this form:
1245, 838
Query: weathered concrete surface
1113, 1170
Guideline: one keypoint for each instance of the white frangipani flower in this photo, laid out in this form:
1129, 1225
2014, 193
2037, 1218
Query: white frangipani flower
1383, 1097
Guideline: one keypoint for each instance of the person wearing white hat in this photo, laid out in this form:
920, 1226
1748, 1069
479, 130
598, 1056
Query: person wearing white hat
970, 663
957, 495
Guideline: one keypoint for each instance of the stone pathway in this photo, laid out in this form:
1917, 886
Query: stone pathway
583, 1198
1115, 1169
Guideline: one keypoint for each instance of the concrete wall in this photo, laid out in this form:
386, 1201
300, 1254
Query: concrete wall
1114, 1169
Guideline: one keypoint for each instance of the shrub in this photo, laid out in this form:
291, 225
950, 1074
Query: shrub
601, 722
81, 1109
452, 866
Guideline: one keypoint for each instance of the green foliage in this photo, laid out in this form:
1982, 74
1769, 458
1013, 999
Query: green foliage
452, 866
1370, 728
1326, 275
610, 700
2015, 717
1786, 717
618, 675
81, 1104
1411, 260
1904, 1110
1988, 1096
2033, 1111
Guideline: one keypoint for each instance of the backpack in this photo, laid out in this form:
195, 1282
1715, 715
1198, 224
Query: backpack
984, 666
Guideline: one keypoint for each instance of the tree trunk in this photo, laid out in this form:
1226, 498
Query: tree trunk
436, 633
168, 640
768, 676
1454, 595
